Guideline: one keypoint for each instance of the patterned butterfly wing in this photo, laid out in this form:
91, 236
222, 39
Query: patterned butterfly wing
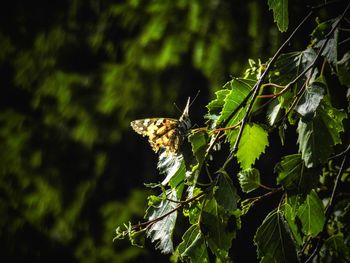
161, 133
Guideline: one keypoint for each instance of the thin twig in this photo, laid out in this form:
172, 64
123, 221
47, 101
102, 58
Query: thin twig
328, 212
340, 154
262, 78
182, 203
254, 91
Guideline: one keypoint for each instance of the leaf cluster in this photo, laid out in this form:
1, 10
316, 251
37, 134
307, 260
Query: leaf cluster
290, 93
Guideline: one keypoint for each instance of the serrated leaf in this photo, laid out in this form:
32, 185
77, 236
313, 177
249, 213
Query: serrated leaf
215, 106
294, 176
226, 194
333, 119
273, 111
246, 205
249, 179
311, 99
199, 142
280, 13
169, 165
161, 231
320, 35
273, 240
311, 215
324, 127
240, 89
252, 144
193, 246
286, 68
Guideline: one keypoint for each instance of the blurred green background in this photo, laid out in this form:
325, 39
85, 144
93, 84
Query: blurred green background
73, 74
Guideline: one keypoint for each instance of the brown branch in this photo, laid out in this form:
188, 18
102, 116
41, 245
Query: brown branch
153, 221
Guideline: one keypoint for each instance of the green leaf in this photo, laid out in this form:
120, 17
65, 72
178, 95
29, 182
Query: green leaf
226, 194
179, 176
273, 240
249, 179
337, 244
240, 89
325, 127
311, 215
320, 35
343, 67
199, 142
215, 106
290, 216
218, 227
311, 99
193, 246
333, 119
252, 144
294, 176
161, 231
286, 68
137, 238
280, 13
274, 111
246, 204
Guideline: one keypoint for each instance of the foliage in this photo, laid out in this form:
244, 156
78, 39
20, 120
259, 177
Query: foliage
296, 93
73, 74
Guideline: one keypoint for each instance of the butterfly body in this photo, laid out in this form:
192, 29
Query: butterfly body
164, 133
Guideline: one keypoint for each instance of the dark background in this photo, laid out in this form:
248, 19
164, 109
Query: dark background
73, 74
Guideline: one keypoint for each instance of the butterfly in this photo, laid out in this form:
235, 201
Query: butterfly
164, 133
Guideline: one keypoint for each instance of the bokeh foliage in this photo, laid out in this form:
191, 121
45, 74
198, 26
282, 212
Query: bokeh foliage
72, 76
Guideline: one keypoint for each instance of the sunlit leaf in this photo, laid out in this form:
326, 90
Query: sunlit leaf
280, 13
161, 232
273, 239
215, 106
311, 99
199, 142
252, 144
273, 111
249, 179
311, 215
231, 112
193, 246
171, 166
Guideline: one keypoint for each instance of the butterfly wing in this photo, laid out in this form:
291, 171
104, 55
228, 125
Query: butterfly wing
161, 133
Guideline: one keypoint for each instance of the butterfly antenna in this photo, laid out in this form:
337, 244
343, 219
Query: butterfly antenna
176, 107
185, 112
195, 97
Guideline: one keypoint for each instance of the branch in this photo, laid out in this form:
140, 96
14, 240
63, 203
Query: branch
262, 78
181, 204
